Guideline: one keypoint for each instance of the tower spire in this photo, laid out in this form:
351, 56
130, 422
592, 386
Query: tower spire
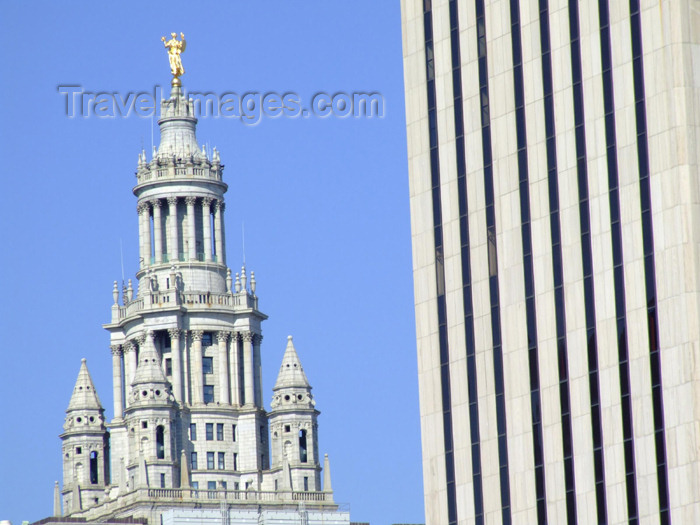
84, 393
291, 373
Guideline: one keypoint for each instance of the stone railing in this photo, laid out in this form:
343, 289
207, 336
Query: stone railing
156, 498
168, 299
253, 496
151, 173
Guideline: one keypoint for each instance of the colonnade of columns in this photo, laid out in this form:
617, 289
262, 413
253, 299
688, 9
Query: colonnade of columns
238, 370
165, 245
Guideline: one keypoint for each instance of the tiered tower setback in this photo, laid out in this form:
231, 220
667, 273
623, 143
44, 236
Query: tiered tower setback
190, 430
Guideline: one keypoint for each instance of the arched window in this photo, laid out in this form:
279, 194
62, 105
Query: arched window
160, 442
94, 477
302, 446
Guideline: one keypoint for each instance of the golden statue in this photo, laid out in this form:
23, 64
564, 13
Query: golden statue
175, 47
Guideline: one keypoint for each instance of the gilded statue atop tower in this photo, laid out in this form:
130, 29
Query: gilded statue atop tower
175, 48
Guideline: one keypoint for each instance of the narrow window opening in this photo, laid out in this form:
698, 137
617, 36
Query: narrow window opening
219, 431
233, 432
162, 481
222, 461
306, 484
207, 365
93, 468
193, 431
210, 431
208, 393
193, 462
160, 442
210, 461
302, 446
235, 462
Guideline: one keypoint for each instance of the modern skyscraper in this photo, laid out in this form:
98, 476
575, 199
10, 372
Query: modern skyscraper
190, 438
555, 205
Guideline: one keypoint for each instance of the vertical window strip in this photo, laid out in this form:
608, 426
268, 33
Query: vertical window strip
492, 252
528, 271
466, 266
587, 263
557, 265
649, 262
618, 263
440, 269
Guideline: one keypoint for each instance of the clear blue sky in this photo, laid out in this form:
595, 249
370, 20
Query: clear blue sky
324, 201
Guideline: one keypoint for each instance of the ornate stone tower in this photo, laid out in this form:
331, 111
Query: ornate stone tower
191, 318
293, 426
85, 446
190, 430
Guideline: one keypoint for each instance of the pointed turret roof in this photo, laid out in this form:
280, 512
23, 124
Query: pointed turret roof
84, 393
148, 369
291, 373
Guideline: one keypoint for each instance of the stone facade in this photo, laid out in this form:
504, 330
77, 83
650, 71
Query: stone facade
554, 189
190, 429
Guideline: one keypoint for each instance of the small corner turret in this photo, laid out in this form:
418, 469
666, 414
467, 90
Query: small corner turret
293, 425
85, 447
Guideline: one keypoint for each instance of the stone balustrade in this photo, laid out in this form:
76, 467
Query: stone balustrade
169, 299
252, 496
203, 498
150, 173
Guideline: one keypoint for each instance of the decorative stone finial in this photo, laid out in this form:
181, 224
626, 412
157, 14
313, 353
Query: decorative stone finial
129, 292
115, 293
229, 280
244, 279
252, 282
238, 284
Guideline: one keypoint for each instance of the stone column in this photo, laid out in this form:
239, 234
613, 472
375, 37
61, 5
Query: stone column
157, 231
206, 227
130, 366
173, 248
186, 372
222, 338
219, 208
248, 381
191, 236
117, 381
234, 371
196, 367
176, 362
257, 369
144, 235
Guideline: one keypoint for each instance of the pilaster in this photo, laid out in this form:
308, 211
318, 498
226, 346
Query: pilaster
248, 375
117, 354
191, 241
173, 244
196, 366
176, 354
234, 371
222, 339
206, 227
157, 231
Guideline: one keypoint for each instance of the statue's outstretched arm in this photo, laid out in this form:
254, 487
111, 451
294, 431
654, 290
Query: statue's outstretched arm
184, 42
